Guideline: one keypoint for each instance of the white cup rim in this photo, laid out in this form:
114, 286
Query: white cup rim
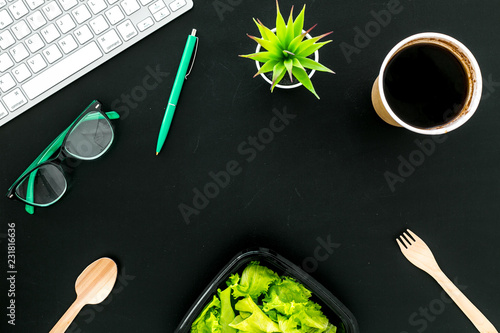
477, 89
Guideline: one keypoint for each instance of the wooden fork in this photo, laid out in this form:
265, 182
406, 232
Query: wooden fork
419, 254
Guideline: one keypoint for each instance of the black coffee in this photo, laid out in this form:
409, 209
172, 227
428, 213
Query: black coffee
425, 85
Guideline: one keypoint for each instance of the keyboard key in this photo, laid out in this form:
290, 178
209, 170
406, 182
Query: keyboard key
97, 6
52, 10
52, 53
19, 52
156, 6
62, 70
127, 30
81, 14
34, 43
2, 3
177, 4
83, 34
109, 41
21, 29
68, 4
68, 44
6, 39
14, 100
114, 15
50, 33
130, 6
33, 4
161, 14
99, 25
5, 62
7, 82
21, 72
5, 19
3, 111
65, 23
18, 9
37, 63
36, 20
146, 23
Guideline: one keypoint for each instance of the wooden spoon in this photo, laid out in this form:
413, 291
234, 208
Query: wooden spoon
92, 287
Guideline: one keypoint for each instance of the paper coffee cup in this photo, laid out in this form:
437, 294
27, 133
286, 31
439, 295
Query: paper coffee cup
470, 66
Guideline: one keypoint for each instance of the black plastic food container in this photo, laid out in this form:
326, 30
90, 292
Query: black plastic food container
336, 312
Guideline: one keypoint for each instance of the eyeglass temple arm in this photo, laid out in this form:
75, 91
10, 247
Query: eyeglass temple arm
45, 155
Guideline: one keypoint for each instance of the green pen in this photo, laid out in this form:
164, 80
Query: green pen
176, 90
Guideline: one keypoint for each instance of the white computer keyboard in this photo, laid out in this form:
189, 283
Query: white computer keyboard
47, 44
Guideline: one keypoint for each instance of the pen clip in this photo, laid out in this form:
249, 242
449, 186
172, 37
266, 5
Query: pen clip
193, 58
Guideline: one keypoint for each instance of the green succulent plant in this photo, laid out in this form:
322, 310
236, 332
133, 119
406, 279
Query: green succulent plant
287, 50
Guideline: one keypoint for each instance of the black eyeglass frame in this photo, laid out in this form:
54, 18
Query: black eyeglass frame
58, 147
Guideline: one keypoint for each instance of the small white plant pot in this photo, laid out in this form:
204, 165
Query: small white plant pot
288, 86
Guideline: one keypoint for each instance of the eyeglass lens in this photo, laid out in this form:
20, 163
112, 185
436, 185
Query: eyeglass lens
90, 138
43, 186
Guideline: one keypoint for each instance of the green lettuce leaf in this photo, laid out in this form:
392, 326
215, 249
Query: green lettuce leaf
287, 325
311, 320
255, 281
233, 280
226, 311
287, 297
296, 324
331, 329
208, 320
257, 322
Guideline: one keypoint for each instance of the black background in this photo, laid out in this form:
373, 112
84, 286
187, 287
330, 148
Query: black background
321, 177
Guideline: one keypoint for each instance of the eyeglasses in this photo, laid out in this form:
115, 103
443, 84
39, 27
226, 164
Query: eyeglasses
45, 181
